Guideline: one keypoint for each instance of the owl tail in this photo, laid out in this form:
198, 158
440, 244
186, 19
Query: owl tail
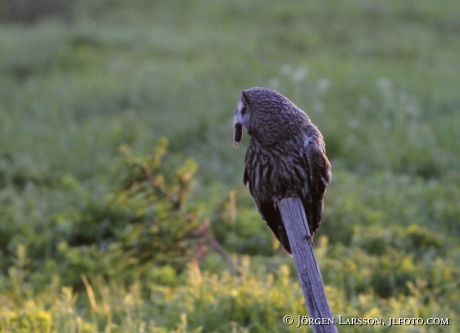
284, 240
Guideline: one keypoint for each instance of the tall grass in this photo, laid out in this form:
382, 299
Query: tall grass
253, 301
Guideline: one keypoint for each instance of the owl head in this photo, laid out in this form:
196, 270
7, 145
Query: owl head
267, 116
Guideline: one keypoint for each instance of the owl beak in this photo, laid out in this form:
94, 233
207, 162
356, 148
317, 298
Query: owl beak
245, 97
237, 133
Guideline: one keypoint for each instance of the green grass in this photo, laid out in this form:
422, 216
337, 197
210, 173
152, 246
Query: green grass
167, 73
380, 80
256, 300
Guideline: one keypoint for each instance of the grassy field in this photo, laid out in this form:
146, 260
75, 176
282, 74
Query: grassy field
116, 155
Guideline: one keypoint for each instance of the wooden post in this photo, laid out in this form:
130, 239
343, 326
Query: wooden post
298, 232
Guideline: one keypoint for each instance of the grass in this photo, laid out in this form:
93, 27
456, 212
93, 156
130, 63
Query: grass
256, 300
380, 80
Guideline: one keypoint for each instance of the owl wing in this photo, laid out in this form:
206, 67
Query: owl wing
267, 210
319, 177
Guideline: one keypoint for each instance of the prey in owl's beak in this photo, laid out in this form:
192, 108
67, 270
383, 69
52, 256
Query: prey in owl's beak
237, 133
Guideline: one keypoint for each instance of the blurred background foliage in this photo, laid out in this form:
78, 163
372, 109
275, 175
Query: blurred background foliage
106, 225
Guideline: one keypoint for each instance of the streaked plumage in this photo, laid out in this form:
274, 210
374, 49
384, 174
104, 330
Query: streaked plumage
286, 157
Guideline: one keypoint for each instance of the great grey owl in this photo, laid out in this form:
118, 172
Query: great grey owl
286, 157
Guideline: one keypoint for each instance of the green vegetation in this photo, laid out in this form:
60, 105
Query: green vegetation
107, 226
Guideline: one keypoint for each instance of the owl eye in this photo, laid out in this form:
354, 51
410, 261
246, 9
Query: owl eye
244, 110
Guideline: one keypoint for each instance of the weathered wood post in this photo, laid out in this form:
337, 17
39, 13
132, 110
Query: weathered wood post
298, 232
